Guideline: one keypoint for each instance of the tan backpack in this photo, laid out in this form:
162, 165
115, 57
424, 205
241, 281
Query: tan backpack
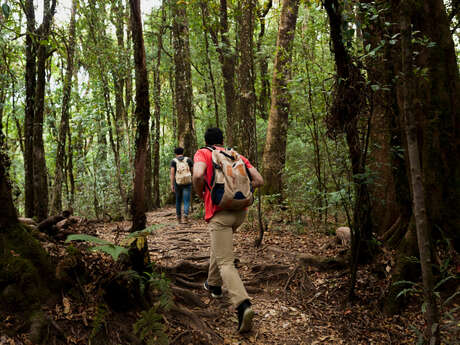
183, 173
231, 186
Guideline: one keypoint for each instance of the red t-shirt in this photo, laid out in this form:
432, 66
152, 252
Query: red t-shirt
205, 156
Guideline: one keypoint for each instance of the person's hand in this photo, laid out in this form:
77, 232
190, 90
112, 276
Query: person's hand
173, 189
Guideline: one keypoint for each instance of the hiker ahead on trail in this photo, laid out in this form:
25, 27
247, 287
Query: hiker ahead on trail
181, 182
225, 180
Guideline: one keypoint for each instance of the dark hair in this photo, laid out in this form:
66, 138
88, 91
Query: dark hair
214, 136
179, 150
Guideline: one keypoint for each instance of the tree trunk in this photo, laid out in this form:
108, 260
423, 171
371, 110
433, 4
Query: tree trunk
264, 97
208, 62
275, 146
227, 60
30, 84
183, 79
418, 191
142, 113
56, 203
246, 98
157, 111
344, 118
148, 171
40, 173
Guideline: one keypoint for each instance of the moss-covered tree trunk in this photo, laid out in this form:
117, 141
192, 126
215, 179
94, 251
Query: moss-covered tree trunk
275, 145
7, 211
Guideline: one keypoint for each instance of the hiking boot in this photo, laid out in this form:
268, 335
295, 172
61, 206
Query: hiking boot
245, 316
185, 219
216, 291
179, 220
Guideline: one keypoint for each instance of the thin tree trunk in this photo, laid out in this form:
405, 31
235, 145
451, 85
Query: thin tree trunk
157, 110
344, 119
30, 84
40, 173
209, 64
148, 170
418, 190
246, 97
227, 60
275, 146
183, 79
110, 114
64, 129
264, 96
142, 112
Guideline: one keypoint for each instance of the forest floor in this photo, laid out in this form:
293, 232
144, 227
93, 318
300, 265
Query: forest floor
293, 304
295, 300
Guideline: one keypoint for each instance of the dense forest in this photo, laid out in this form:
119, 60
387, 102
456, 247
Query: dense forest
348, 108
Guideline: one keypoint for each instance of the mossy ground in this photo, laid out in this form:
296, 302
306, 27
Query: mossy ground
25, 270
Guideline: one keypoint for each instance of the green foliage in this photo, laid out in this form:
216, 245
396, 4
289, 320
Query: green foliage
105, 246
100, 321
6, 10
112, 249
150, 329
160, 284
449, 311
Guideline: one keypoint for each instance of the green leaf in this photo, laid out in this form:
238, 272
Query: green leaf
113, 250
87, 238
402, 282
6, 10
443, 281
375, 87
404, 292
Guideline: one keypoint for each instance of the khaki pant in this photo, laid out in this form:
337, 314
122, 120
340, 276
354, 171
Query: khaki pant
221, 264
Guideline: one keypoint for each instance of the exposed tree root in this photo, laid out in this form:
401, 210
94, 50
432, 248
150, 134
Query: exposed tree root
186, 297
204, 334
323, 263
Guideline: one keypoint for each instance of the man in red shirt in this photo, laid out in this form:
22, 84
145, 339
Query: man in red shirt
222, 224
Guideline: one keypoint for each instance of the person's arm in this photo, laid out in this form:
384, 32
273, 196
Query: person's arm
172, 173
257, 179
190, 164
199, 172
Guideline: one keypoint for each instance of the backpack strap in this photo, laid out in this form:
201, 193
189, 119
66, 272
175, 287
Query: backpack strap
210, 148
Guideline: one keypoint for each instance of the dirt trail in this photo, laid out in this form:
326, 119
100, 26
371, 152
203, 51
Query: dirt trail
294, 304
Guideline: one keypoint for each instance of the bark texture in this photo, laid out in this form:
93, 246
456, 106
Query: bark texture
418, 190
40, 179
246, 97
30, 82
142, 114
275, 146
183, 79
157, 111
264, 95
